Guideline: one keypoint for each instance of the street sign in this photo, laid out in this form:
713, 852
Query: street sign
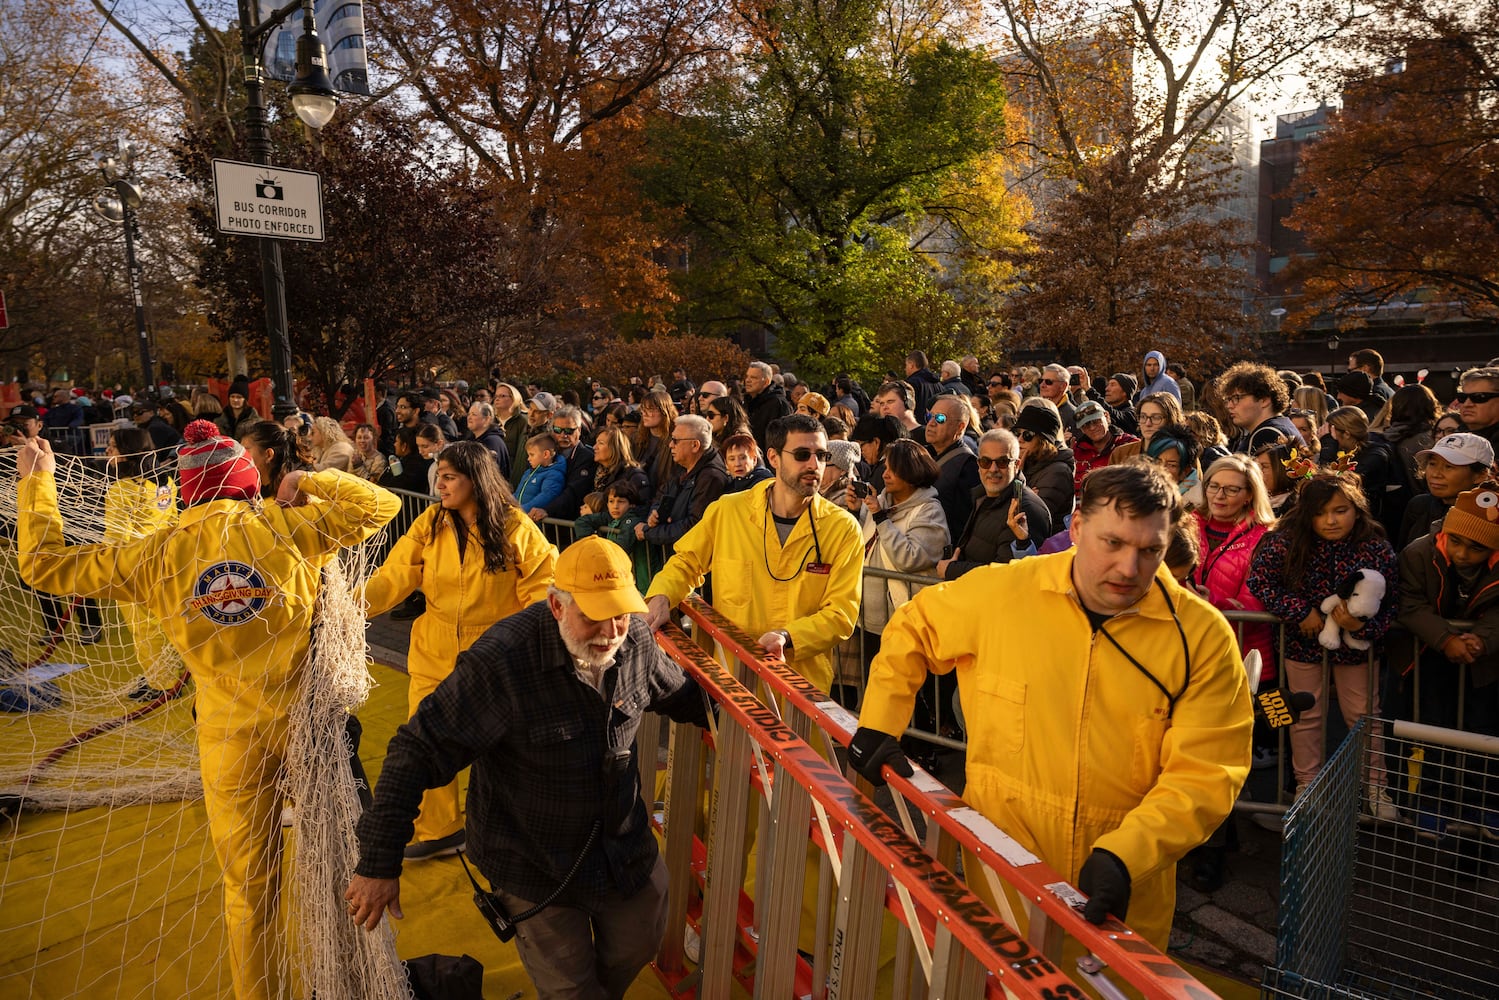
251, 200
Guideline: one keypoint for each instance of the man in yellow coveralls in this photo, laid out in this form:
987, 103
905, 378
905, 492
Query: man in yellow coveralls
1113, 745
786, 562
233, 586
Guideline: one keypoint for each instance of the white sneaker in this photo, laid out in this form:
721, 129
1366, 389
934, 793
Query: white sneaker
692, 946
1381, 806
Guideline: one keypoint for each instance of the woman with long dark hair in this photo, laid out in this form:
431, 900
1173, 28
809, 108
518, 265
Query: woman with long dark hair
727, 418
478, 559
276, 451
658, 415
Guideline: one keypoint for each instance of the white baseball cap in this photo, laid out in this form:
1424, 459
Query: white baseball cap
1462, 449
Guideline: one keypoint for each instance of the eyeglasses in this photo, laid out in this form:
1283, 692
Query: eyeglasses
600, 395
936, 418
707, 395
1028, 436
1003, 461
1478, 398
1152, 418
1223, 491
1234, 399
802, 454
1051, 381
995, 381
677, 440
564, 430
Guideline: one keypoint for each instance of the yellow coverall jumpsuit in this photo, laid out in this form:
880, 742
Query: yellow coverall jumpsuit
233, 586
761, 585
463, 601
1070, 747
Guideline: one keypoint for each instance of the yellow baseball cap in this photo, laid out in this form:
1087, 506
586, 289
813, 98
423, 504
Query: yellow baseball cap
598, 575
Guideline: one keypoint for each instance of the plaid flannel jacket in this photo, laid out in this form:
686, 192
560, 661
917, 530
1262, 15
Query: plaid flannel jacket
550, 756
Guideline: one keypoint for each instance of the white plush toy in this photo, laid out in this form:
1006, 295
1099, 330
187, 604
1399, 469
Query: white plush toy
1363, 590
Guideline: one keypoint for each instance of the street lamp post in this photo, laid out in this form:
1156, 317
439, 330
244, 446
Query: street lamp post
117, 202
314, 100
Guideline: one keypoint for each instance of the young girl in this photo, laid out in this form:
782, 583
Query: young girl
1305, 557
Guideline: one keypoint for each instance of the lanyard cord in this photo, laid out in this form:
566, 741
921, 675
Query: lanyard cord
1186, 656
765, 541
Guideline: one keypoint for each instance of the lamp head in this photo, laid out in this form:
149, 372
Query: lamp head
312, 94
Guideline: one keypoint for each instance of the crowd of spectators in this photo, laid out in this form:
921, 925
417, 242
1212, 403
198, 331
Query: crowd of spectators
1295, 483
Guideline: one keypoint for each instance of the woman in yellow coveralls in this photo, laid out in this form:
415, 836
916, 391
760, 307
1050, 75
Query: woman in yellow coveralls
135, 505
478, 559
233, 585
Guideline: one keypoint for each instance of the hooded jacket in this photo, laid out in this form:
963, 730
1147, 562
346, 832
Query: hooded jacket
1429, 598
1161, 383
1077, 748
761, 584
909, 539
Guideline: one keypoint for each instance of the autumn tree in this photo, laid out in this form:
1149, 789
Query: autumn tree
61, 266
1134, 115
819, 173
702, 357
1400, 195
545, 99
405, 272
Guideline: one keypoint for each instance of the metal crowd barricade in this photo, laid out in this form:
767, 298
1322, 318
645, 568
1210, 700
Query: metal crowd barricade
784, 745
1382, 910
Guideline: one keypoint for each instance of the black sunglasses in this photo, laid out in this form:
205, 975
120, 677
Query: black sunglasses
1003, 461
802, 454
1028, 435
1476, 397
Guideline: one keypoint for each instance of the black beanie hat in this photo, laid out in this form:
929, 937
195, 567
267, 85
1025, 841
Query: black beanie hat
1042, 420
1126, 382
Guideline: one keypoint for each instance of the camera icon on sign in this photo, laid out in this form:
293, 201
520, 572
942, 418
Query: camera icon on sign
270, 189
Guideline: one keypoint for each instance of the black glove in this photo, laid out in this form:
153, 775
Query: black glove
870, 750
1106, 882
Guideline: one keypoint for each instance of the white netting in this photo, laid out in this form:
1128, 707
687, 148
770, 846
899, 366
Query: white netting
109, 884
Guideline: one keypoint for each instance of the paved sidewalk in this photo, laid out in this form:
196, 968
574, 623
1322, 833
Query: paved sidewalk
1230, 931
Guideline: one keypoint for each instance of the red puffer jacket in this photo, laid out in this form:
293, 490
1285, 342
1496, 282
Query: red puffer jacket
1224, 575
1087, 456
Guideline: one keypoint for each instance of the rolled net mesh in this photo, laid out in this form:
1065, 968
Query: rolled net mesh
109, 882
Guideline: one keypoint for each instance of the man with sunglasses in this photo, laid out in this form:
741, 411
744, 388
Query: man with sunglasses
1053, 385
1007, 514
1478, 403
957, 468
708, 392
685, 497
567, 429
791, 560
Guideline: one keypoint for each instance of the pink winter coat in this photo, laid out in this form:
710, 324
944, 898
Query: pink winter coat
1224, 574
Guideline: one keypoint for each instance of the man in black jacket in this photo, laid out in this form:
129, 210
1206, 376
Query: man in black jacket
764, 401
684, 498
1008, 519
957, 468
432, 413
545, 706
567, 428
924, 383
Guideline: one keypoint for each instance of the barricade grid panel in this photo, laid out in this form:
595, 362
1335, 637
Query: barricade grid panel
1411, 909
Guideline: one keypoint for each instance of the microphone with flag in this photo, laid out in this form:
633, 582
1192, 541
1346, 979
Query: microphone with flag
1280, 707
1277, 706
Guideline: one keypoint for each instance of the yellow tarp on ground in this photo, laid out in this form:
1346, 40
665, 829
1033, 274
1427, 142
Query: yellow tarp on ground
125, 902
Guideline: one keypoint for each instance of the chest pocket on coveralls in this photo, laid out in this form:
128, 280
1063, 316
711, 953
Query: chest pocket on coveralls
1145, 761
730, 589
1002, 707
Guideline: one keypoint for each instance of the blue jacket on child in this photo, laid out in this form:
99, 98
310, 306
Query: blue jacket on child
541, 485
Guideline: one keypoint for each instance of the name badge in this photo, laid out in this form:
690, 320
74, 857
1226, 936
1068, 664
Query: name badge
820, 568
